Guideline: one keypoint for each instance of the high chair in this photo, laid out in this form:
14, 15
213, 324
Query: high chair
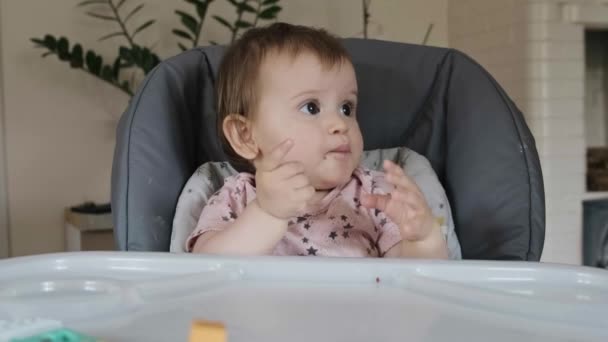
435, 101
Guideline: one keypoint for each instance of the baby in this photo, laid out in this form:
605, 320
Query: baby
287, 104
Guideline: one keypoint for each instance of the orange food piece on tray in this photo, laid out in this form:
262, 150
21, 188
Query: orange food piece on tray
206, 331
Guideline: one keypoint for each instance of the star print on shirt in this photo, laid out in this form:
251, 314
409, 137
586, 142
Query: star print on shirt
376, 212
348, 226
312, 251
307, 226
301, 219
305, 240
382, 222
345, 235
343, 217
333, 235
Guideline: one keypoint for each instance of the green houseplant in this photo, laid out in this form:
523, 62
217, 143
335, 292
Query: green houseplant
133, 58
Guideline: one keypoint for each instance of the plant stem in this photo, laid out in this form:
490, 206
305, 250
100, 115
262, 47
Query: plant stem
239, 16
428, 34
121, 23
200, 24
366, 16
257, 13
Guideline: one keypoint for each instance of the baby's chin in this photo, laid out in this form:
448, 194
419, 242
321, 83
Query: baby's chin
329, 183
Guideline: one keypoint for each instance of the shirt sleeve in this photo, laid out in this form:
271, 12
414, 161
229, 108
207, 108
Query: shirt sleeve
223, 208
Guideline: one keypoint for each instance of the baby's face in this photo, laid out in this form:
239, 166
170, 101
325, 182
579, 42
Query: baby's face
314, 106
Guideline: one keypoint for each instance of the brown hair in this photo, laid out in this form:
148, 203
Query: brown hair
237, 84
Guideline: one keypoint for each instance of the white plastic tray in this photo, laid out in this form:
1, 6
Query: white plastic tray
155, 296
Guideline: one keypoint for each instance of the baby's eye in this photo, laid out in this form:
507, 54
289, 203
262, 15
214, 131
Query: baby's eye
347, 109
310, 108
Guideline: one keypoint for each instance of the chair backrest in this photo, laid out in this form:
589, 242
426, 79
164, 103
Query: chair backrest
436, 101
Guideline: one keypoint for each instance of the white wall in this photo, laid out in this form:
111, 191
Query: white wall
60, 123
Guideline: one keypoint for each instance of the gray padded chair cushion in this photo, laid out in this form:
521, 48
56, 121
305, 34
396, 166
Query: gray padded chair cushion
436, 101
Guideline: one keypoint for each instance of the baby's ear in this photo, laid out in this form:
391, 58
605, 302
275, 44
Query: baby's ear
237, 130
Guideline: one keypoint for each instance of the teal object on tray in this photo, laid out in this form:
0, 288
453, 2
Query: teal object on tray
58, 335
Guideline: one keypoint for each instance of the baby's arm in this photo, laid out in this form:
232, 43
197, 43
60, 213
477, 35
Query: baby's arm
254, 232
283, 190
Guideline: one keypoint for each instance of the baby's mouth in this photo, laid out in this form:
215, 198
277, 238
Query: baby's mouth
344, 148
340, 152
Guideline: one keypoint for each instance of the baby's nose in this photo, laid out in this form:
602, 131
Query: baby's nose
337, 125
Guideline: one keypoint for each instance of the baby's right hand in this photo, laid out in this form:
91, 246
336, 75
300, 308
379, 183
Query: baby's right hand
283, 189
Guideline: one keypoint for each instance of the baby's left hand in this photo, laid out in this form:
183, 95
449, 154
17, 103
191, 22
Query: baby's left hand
405, 205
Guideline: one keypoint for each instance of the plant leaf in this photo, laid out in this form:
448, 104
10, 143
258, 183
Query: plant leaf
101, 16
106, 73
76, 59
223, 22
98, 64
93, 62
143, 27
50, 42
133, 12
146, 61
201, 9
189, 21
63, 46
243, 24
136, 54
182, 34
269, 2
244, 7
115, 34
182, 46
125, 53
116, 68
38, 42
92, 2
270, 12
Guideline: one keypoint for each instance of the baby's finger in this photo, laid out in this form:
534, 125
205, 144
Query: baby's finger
396, 176
298, 181
305, 193
276, 155
288, 170
374, 201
